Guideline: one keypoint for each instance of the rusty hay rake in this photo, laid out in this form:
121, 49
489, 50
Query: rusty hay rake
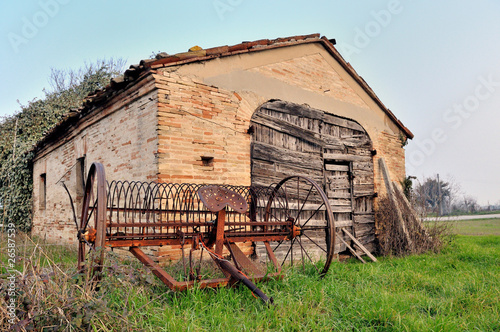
288, 223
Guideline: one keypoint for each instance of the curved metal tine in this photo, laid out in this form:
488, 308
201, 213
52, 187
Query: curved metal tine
164, 201
305, 200
118, 190
312, 215
110, 202
134, 201
71, 203
281, 208
282, 203
303, 250
151, 215
315, 243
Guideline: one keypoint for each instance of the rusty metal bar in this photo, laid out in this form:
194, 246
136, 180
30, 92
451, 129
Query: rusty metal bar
237, 275
171, 282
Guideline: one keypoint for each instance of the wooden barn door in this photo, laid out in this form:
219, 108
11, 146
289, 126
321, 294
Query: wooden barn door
291, 139
338, 188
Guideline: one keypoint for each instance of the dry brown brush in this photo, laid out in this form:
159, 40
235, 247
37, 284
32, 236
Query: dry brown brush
405, 233
52, 296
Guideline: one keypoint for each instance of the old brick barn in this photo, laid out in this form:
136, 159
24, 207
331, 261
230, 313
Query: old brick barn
247, 114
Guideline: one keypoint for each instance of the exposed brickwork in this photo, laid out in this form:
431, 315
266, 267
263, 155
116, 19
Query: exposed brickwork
389, 147
125, 142
198, 120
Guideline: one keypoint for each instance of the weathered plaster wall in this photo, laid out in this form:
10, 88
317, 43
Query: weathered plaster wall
123, 138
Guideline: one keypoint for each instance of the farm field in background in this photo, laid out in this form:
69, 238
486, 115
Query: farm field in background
477, 227
455, 290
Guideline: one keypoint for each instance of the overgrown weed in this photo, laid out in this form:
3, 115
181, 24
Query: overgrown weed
455, 289
54, 296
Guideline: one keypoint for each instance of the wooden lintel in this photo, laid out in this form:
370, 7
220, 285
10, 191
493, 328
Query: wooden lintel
345, 157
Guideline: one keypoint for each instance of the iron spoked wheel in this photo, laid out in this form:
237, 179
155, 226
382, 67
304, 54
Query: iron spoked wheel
301, 202
92, 232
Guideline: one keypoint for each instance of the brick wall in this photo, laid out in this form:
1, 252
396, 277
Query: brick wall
123, 139
389, 147
197, 122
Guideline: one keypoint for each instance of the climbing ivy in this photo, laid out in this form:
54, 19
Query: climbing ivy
19, 132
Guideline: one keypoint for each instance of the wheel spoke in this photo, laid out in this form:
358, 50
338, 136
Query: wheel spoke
94, 205
303, 204
279, 244
319, 207
288, 252
315, 243
310, 259
270, 211
279, 219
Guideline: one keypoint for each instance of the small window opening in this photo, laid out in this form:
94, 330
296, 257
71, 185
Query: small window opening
43, 191
207, 161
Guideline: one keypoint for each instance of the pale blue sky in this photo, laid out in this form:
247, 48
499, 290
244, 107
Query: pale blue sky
434, 64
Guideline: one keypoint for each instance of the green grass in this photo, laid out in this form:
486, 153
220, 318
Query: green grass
477, 227
455, 290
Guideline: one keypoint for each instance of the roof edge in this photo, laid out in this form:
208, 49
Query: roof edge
333, 51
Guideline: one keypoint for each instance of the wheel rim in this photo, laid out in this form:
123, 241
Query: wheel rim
91, 235
301, 201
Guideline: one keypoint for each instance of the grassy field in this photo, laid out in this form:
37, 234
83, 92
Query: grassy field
455, 290
477, 227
